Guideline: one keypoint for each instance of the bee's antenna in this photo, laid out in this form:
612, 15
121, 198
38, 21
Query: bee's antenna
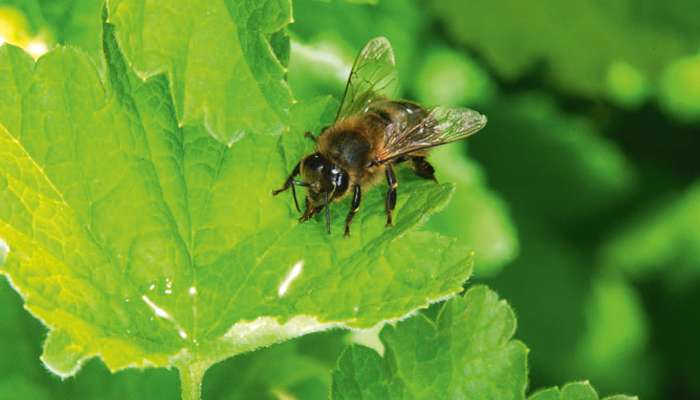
301, 183
294, 194
328, 214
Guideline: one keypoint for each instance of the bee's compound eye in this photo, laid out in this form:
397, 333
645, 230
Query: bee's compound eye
314, 162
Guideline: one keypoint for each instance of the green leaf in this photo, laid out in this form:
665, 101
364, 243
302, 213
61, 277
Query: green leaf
577, 323
220, 64
579, 41
271, 373
574, 391
150, 244
450, 78
586, 162
680, 88
401, 21
488, 228
25, 378
75, 22
613, 350
664, 239
71, 22
467, 353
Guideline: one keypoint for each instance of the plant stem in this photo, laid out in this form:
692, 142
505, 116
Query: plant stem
191, 381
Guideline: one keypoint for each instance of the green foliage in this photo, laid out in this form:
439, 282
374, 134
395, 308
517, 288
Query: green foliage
578, 200
574, 391
680, 88
534, 136
580, 41
449, 78
663, 240
489, 230
151, 244
221, 70
72, 22
466, 353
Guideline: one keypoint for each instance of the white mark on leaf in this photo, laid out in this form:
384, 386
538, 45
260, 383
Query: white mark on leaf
159, 312
291, 276
4, 250
156, 310
193, 291
249, 332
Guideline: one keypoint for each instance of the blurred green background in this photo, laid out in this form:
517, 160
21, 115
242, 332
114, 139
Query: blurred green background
581, 197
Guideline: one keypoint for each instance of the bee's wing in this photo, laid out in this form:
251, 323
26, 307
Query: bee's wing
373, 76
441, 125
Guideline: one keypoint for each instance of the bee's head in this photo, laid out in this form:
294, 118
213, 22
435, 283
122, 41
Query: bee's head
324, 179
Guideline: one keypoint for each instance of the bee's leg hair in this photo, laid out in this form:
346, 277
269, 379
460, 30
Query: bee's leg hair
390, 193
354, 206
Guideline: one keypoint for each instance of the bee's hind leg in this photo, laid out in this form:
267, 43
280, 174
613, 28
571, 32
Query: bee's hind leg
390, 193
422, 168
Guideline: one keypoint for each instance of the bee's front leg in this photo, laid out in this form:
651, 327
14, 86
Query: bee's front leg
290, 183
390, 193
354, 206
310, 211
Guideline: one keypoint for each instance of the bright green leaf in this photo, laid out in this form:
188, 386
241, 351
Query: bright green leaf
25, 378
149, 244
221, 68
467, 353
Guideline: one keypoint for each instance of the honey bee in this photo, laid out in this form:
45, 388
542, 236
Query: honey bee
370, 135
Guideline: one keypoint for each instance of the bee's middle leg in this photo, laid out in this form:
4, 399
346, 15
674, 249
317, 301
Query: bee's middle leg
422, 168
390, 193
354, 206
